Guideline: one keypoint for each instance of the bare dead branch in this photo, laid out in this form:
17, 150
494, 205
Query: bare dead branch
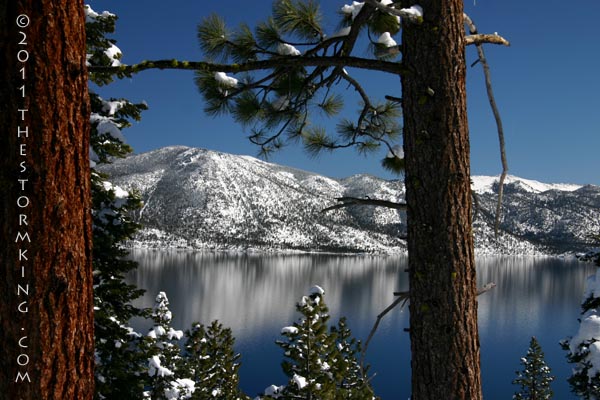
476, 39
486, 288
353, 201
491, 98
481, 38
403, 297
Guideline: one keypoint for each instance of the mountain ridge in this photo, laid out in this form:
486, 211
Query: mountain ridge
208, 200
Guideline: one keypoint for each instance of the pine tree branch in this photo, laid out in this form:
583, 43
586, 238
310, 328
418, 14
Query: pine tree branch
361, 19
491, 98
275, 62
352, 201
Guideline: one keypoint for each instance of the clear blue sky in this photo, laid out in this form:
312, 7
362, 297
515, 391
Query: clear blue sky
547, 86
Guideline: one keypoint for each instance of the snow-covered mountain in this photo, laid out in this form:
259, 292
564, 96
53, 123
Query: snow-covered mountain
196, 198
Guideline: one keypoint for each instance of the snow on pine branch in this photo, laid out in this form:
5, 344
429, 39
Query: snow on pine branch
93, 16
386, 40
96, 23
287, 50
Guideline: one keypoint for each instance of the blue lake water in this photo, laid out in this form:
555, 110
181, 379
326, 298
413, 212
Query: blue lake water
255, 296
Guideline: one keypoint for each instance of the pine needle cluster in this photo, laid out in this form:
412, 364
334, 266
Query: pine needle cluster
287, 100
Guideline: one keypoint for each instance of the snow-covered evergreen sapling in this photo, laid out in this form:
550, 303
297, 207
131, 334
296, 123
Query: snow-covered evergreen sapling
535, 378
583, 349
210, 361
320, 362
161, 345
348, 373
204, 367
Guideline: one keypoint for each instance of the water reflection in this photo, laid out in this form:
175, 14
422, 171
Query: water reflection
255, 296
250, 293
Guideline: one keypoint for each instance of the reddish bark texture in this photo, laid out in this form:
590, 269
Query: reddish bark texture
46, 252
443, 302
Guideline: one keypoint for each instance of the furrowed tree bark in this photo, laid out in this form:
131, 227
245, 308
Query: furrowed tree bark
443, 303
46, 313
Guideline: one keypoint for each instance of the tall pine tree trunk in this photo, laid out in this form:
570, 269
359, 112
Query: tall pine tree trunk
443, 302
46, 325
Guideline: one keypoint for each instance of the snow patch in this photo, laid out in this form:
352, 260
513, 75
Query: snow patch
111, 107
353, 9
386, 40
180, 389
274, 391
155, 369
174, 334
92, 16
114, 54
287, 50
300, 381
415, 11
107, 125
119, 192
225, 80
317, 290
485, 184
289, 330
589, 330
396, 151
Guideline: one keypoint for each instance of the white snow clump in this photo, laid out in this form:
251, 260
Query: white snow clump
274, 391
300, 381
289, 329
386, 40
287, 50
180, 389
227, 81
353, 9
317, 290
107, 125
155, 369
589, 329
114, 53
414, 11
91, 15
396, 151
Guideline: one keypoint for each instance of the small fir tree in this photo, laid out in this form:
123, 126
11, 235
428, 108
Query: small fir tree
535, 377
348, 373
205, 367
211, 363
161, 346
307, 347
320, 362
